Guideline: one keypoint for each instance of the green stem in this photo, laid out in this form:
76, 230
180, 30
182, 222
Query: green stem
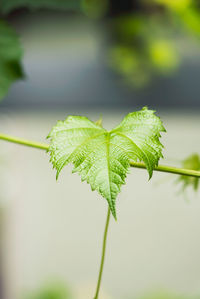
34, 144
102, 255
161, 168
169, 169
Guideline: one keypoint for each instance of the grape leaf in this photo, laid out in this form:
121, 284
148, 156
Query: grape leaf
10, 56
7, 6
101, 157
191, 162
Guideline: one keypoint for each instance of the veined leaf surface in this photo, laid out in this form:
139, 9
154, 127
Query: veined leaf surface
101, 157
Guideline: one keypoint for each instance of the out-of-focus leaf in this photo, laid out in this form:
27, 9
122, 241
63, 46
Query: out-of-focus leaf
10, 58
186, 13
52, 292
128, 62
144, 48
8, 5
163, 55
94, 8
91, 8
147, 40
191, 20
192, 162
177, 5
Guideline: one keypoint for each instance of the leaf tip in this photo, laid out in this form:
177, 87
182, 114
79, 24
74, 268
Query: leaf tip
150, 174
113, 210
57, 174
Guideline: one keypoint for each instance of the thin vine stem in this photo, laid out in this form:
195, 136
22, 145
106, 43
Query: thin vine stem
102, 255
169, 169
161, 168
25, 142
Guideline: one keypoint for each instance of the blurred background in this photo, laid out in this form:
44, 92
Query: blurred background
93, 58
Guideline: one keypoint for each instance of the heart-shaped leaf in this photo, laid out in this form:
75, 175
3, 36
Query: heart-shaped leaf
101, 157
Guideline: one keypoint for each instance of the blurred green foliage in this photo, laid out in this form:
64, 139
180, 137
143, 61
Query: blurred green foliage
10, 56
92, 8
176, 5
10, 48
192, 162
61, 292
142, 48
185, 13
54, 291
162, 55
146, 41
7, 6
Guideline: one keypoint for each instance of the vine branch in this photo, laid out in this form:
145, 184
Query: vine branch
161, 168
25, 142
169, 169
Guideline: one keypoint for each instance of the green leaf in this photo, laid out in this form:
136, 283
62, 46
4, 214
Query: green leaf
101, 157
7, 6
10, 56
192, 162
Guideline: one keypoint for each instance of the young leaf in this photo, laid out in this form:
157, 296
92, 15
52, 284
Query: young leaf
191, 162
101, 157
